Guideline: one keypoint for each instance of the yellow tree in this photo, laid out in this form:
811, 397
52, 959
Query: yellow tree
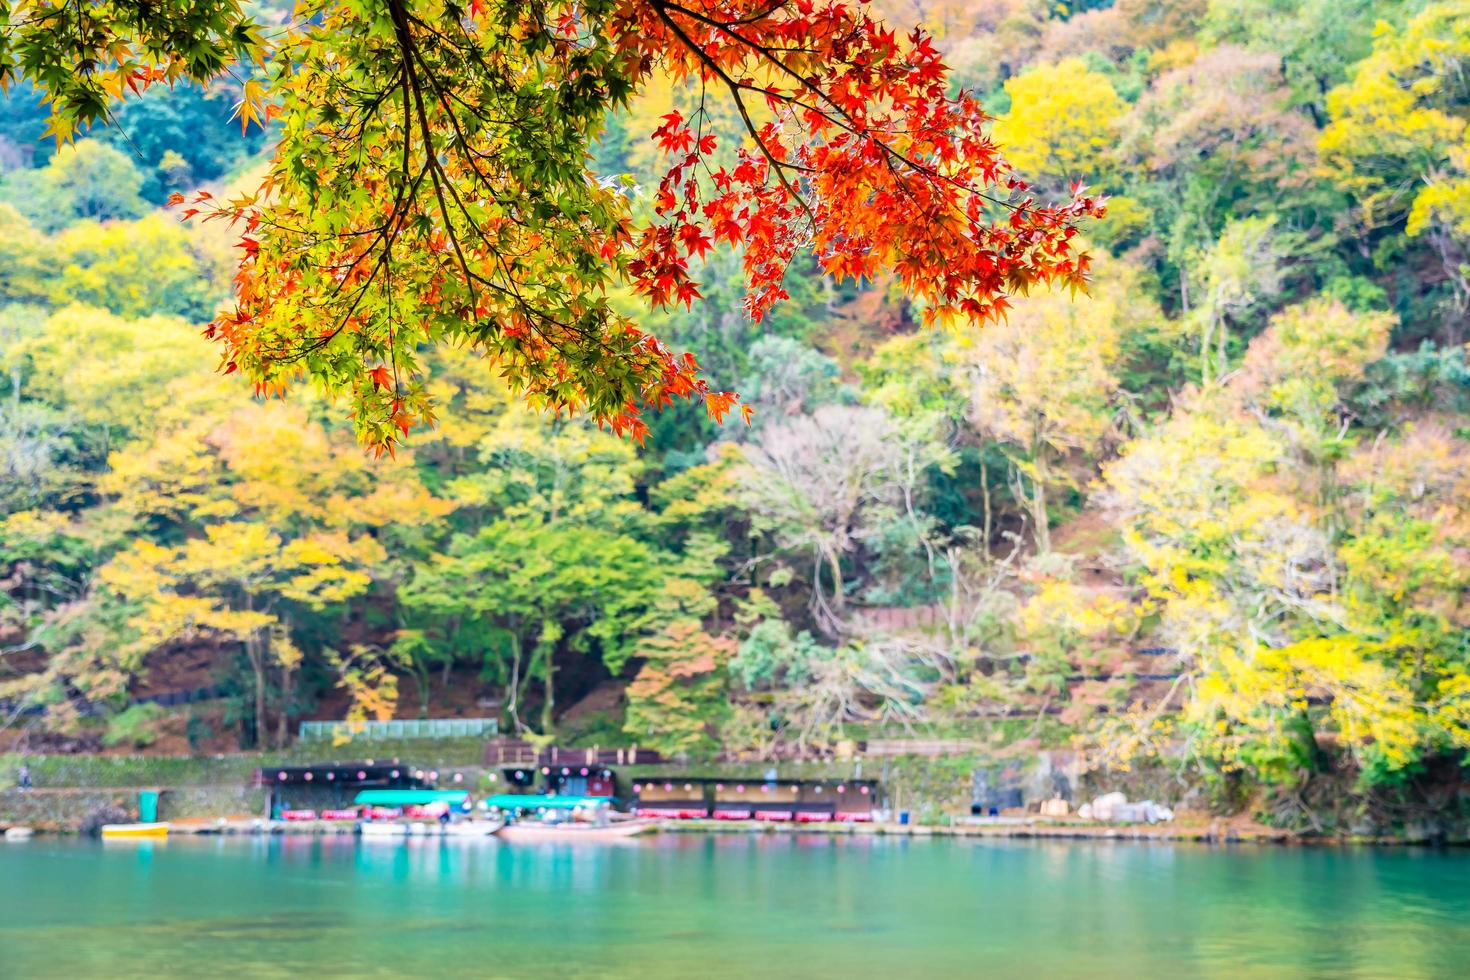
365, 673
234, 583
1406, 582
1293, 376
108, 372
1063, 124
136, 268
1223, 551
24, 259
1397, 140
1042, 382
279, 518
1228, 508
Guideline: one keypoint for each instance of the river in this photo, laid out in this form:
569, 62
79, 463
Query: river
713, 907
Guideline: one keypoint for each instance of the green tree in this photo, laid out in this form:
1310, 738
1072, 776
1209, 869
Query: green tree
85, 181
544, 588
1219, 140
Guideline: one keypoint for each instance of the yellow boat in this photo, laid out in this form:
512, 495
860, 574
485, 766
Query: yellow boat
135, 830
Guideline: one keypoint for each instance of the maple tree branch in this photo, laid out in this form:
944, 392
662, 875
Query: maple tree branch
535, 316
843, 118
384, 238
750, 126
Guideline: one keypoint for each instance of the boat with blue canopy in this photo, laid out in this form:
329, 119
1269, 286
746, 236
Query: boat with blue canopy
430, 811
541, 802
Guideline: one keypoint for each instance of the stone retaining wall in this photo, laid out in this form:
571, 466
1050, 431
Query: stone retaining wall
60, 812
63, 810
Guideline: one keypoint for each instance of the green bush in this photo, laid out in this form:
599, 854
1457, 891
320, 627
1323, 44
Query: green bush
137, 726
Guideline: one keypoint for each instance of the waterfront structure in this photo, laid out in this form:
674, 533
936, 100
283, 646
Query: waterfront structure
560, 781
722, 798
328, 787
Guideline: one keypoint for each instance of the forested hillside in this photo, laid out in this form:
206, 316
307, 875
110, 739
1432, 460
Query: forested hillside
1212, 515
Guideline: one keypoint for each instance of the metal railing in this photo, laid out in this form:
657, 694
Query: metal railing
399, 729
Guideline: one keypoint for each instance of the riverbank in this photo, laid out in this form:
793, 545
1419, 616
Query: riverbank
1202, 830
1213, 832
1219, 832
1199, 830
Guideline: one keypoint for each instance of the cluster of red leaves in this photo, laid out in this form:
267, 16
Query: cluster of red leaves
863, 157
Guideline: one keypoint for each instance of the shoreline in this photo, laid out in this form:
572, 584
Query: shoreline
1217, 832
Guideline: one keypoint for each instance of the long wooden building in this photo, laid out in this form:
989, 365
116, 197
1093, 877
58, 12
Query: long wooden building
720, 798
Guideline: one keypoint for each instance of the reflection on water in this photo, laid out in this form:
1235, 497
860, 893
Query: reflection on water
725, 906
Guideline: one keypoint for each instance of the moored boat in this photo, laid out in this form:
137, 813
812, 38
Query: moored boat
418, 828
535, 831
384, 829
472, 828
120, 830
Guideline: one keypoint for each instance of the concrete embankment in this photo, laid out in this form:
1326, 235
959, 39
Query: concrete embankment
1020, 829
1188, 831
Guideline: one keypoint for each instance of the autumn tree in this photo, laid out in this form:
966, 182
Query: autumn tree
1067, 629
1253, 470
1233, 281
1219, 139
1246, 552
820, 483
1063, 124
279, 520
1397, 139
678, 698
1042, 382
1318, 40
1405, 579
430, 184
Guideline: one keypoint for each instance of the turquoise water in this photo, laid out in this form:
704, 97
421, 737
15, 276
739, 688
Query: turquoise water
726, 906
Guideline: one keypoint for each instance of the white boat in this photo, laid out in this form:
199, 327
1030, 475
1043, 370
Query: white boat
535, 831
383, 828
119, 830
466, 828
473, 828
